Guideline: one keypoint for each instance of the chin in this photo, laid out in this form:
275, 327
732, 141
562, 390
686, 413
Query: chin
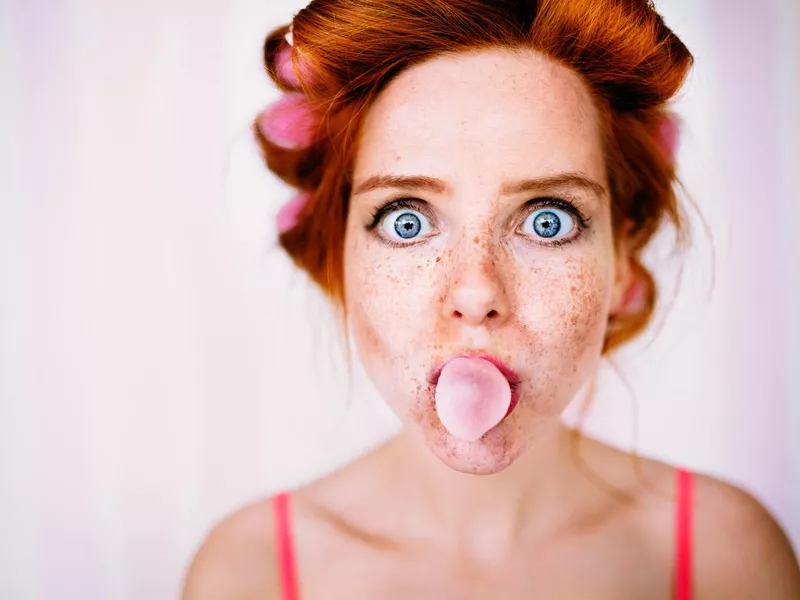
495, 451
492, 453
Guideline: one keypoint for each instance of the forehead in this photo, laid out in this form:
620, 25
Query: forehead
489, 114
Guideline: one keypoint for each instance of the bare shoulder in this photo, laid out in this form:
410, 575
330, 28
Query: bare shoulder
740, 550
236, 561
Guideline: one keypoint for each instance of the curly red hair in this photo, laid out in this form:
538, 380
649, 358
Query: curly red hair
346, 51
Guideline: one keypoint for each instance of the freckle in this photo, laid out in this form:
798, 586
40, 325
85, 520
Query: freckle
476, 240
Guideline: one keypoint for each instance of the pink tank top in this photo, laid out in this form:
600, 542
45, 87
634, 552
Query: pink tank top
683, 541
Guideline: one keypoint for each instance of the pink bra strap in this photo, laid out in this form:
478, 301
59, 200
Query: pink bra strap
683, 535
285, 548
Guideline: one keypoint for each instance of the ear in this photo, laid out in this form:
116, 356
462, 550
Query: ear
627, 291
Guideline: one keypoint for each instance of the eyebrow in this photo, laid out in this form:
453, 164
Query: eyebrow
432, 184
401, 182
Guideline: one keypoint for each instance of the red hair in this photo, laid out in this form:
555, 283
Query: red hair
346, 51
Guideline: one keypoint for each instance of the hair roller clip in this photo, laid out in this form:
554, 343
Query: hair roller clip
289, 37
290, 122
289, 213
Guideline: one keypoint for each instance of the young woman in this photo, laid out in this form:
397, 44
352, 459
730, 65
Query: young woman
477, 180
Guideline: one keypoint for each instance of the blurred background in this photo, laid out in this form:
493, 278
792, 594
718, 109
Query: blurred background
162, 363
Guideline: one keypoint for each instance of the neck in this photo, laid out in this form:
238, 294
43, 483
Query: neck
474, 514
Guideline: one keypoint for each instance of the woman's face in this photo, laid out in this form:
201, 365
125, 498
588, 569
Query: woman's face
479, 223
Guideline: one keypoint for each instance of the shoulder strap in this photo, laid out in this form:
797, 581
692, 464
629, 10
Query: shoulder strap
285, 548
683, 535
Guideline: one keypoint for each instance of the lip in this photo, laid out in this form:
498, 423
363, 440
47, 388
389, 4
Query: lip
509, 373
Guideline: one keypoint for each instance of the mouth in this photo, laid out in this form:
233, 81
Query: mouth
513, 378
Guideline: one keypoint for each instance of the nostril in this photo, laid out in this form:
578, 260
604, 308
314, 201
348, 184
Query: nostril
492, 314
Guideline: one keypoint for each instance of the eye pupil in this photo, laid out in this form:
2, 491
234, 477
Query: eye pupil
407, 225
547, 224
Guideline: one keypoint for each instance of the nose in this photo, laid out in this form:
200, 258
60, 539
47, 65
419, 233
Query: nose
476, 295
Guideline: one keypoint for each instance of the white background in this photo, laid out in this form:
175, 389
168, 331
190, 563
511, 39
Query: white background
161, 363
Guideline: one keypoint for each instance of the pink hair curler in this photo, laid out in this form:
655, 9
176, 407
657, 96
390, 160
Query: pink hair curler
285, 68
669, 136
289, 213
290, 122
289, 61
634, 298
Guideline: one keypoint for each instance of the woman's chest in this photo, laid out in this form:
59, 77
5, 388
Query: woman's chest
581, 569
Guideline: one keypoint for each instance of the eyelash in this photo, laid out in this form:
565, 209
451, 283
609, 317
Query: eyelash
529, 207
582, 221
391, 206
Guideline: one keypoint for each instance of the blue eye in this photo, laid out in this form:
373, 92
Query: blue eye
405, 224
549, 223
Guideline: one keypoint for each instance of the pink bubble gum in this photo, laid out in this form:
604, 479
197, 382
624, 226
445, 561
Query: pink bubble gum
289, 213
290, 122
472, 396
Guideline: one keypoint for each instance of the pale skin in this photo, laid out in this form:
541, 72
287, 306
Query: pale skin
517, 514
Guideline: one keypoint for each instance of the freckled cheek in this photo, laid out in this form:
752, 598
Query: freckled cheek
565, 309
389, 302
560, 313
